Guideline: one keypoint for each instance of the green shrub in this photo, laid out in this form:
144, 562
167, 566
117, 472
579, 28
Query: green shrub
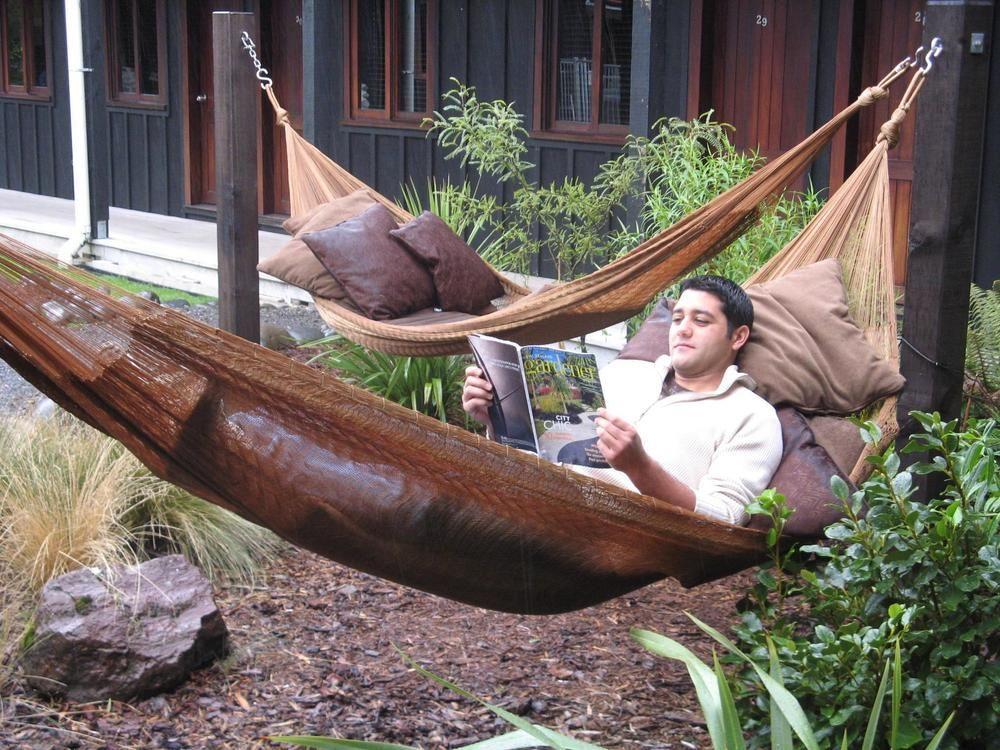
429, 385
927, 575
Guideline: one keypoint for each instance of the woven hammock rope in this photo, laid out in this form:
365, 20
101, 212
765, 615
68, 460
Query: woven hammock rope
370, 484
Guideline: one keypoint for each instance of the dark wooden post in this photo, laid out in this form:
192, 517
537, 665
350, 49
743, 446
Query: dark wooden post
237, 105
95, 92
946, 174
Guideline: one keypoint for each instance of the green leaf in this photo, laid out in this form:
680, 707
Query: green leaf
730, 719
897, 696
330, 743
781, 732
546, 736
511, 741
705, 684
876, 712
939, 736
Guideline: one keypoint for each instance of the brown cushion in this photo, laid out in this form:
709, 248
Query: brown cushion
382, 278
803, 477
806, 352
463, 281
328, 214
652, 340
840, 438
295, 263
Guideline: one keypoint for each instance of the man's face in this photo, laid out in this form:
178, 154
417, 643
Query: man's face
699, 340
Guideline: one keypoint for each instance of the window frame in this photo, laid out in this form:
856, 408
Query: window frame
390, 116
27, 90
544, 121
117, 97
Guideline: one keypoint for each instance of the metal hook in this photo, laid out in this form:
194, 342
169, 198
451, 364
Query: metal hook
906, 62
934, 51
263, 74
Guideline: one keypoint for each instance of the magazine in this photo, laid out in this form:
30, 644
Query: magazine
545, 400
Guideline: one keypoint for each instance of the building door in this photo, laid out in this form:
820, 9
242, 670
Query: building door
757, 70
280, 49
892, 30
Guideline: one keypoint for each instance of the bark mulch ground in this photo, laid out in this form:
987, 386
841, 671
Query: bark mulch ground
313, 654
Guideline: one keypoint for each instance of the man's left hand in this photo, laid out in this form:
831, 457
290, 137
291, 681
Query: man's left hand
619, 443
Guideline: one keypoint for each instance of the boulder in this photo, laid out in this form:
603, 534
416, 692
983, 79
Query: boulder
129, 634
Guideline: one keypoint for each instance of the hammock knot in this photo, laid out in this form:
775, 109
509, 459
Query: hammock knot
281, 115
872, 94
889, 132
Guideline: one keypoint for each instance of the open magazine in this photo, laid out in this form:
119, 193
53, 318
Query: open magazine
545, 400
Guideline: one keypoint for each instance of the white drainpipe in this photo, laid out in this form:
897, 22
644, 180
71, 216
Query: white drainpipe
70, 250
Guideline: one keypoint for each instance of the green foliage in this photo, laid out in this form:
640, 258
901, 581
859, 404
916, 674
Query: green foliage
680, 167
688, 163
925, 577
430, 385
566, 221
982, 354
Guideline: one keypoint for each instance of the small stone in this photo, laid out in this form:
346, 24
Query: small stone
178, 304
150, 295
275, 337
304, 334
46, 408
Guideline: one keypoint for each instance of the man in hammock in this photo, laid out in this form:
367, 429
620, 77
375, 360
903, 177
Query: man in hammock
688, 428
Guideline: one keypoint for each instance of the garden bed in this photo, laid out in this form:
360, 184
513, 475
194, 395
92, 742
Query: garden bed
313, 653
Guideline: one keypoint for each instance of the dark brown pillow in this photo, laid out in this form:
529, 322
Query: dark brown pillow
652, 340
806, 352
295, 263
463, 281
382, 278
803, 477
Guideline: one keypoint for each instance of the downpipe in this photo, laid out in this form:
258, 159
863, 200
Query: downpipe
72, 251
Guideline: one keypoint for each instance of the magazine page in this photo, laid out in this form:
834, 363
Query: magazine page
565, 392
510, 413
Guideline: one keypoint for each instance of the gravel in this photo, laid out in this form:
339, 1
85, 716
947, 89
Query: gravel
294, 324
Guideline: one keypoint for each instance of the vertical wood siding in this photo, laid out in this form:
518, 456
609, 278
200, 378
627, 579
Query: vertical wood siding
35, 154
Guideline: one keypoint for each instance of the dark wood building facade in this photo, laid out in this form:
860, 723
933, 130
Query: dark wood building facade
359, 75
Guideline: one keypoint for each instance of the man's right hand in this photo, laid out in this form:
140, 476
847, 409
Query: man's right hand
477, 395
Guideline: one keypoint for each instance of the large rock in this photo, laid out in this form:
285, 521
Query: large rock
136, 633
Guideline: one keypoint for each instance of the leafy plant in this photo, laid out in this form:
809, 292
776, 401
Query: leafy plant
982, 358
926, 575
430, 385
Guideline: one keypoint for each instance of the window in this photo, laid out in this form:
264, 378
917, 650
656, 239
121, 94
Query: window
136, 51
391, 49
25, 53
584, 66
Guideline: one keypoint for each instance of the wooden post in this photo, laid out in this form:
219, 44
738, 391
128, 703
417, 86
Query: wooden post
947, 166
237, 105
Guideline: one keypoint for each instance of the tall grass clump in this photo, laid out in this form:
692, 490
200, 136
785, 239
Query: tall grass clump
73, 497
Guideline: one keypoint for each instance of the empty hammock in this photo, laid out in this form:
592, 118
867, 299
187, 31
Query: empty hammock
609, 295
370, 484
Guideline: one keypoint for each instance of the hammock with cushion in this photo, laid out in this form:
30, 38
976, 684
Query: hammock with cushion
609, 295
375, 486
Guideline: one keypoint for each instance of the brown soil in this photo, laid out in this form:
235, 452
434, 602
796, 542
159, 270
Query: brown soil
313, 654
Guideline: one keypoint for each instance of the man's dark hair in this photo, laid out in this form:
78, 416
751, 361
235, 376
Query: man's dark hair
736, 305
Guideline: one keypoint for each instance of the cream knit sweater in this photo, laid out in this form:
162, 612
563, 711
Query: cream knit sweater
725, 445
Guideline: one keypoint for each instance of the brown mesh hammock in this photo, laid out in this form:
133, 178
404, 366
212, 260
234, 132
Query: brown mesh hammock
383, 489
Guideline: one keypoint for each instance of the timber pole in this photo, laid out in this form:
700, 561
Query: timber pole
237, 106
947, 171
